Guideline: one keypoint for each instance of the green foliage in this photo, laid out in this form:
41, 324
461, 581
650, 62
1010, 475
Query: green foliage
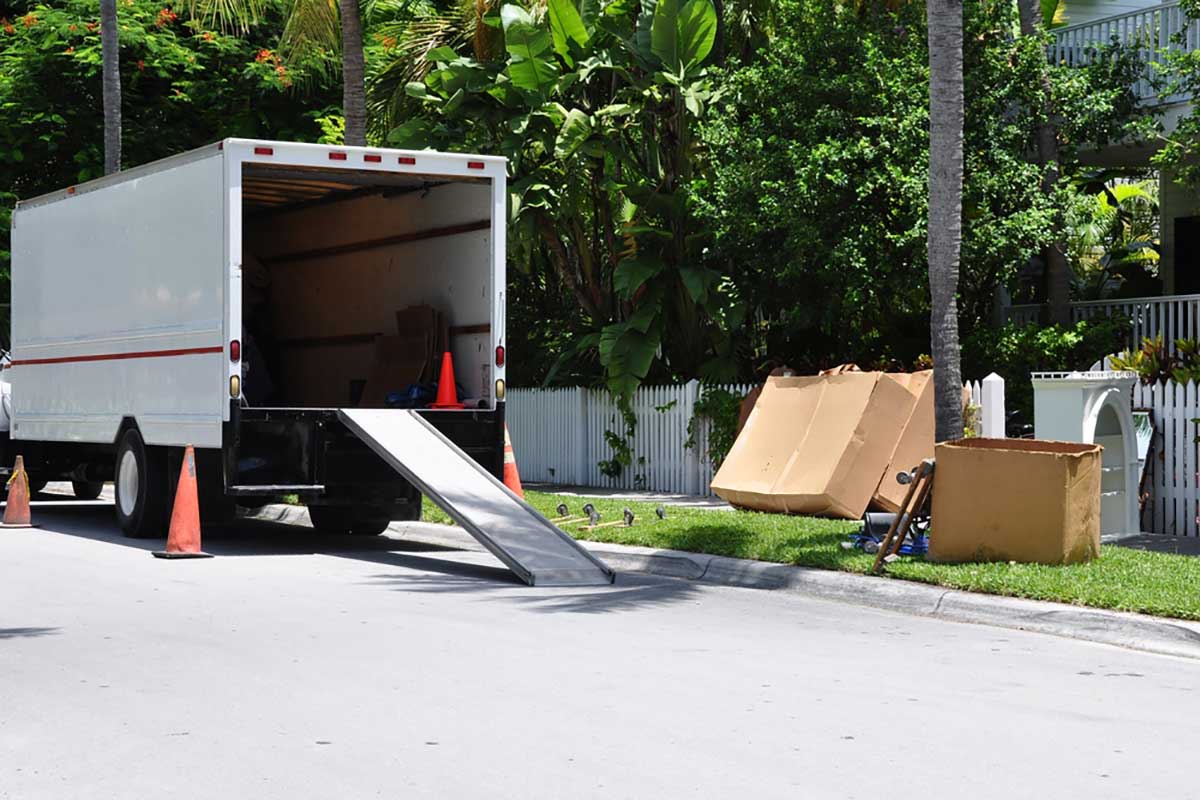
183, 87
1014, 351
595, 109
1154, 363
621, 446
816, 193
1113, 242
721, 409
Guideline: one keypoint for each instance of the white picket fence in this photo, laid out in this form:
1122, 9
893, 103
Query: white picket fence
559, 437
1172, 485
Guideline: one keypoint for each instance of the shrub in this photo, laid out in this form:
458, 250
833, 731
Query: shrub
1014, 351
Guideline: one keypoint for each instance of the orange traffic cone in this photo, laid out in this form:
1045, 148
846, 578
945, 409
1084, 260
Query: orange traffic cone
512, 478
183, 538
16, 510
447, 396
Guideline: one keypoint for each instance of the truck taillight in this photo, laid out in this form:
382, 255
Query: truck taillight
372, 158
500, 389
235, 350
499, 355
264, 151
407, 160
475, 165
337, 156
235, 386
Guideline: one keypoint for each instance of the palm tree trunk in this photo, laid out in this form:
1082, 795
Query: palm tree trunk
945, 22
354, 103
1058, 271
110, 70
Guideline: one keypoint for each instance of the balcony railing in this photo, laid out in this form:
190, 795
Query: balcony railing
1150, 31
1173, 317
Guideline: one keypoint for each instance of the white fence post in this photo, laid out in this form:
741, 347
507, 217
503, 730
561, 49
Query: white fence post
693, 456
581, 436
992, 410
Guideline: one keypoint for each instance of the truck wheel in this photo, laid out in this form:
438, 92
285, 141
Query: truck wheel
141, 487
347, 520
87, 490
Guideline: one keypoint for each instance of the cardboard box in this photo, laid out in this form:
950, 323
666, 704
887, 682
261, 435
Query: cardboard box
1016, 500
916, 440
816, 445
399, 362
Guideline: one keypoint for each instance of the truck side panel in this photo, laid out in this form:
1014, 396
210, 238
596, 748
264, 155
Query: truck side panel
118, 300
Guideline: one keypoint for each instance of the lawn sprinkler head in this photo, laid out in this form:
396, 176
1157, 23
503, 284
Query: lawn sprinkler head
628, 518
588, 509
562, 509
594, 517
661, 512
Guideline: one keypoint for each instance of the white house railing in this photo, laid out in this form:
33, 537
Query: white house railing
1172, 317
1150, 31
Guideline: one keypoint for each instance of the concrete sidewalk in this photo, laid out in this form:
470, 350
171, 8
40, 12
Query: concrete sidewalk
1135, 631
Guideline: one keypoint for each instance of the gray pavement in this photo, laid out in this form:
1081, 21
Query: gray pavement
296, 665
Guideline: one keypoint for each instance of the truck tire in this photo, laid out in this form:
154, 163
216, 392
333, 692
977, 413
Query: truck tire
87, 490
141, 487
348, 520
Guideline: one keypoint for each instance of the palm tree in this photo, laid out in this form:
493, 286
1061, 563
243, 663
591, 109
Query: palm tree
321, 25
354, 96
945, 23
110, 71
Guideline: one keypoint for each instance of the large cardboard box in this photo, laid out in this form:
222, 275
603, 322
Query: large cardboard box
916, 440
816, 445
1016, 500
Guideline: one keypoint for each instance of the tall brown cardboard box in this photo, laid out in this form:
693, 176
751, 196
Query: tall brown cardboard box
1016, 500
916, 440
816, 445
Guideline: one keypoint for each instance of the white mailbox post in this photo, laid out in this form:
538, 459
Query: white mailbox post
1095, 408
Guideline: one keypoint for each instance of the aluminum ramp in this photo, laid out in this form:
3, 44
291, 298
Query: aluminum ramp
529, 544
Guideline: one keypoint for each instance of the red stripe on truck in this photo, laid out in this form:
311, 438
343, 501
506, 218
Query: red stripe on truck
187, 351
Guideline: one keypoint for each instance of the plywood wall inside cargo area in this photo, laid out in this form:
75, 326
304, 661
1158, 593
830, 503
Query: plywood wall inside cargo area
328, 297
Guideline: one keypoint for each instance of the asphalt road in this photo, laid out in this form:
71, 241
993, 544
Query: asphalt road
300, 666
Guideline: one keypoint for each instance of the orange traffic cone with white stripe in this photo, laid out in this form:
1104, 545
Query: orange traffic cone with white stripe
183, 538
512, 478
16, 510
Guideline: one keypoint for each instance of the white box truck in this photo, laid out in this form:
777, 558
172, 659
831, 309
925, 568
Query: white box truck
282, 307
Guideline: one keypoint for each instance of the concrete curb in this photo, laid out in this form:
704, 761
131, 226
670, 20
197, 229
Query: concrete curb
1133, 631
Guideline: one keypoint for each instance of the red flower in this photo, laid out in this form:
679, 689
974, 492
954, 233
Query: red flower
91, 26
8, 26
29, 19
263, 55
208, 37
141, 65
70, 50
72, 27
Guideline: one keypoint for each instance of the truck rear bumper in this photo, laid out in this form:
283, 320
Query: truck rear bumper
310, 452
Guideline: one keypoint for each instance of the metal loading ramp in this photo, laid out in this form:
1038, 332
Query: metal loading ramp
529, 544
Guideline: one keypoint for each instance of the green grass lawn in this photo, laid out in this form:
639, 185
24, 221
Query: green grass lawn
1122, 579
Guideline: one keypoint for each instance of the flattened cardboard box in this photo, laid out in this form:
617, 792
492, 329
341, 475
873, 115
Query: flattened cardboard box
816, 445
1016, 500
916, 440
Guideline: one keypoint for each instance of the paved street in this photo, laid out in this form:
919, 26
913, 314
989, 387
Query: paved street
296, 666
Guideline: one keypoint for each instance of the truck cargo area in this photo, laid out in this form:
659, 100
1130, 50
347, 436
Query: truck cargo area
355, 281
